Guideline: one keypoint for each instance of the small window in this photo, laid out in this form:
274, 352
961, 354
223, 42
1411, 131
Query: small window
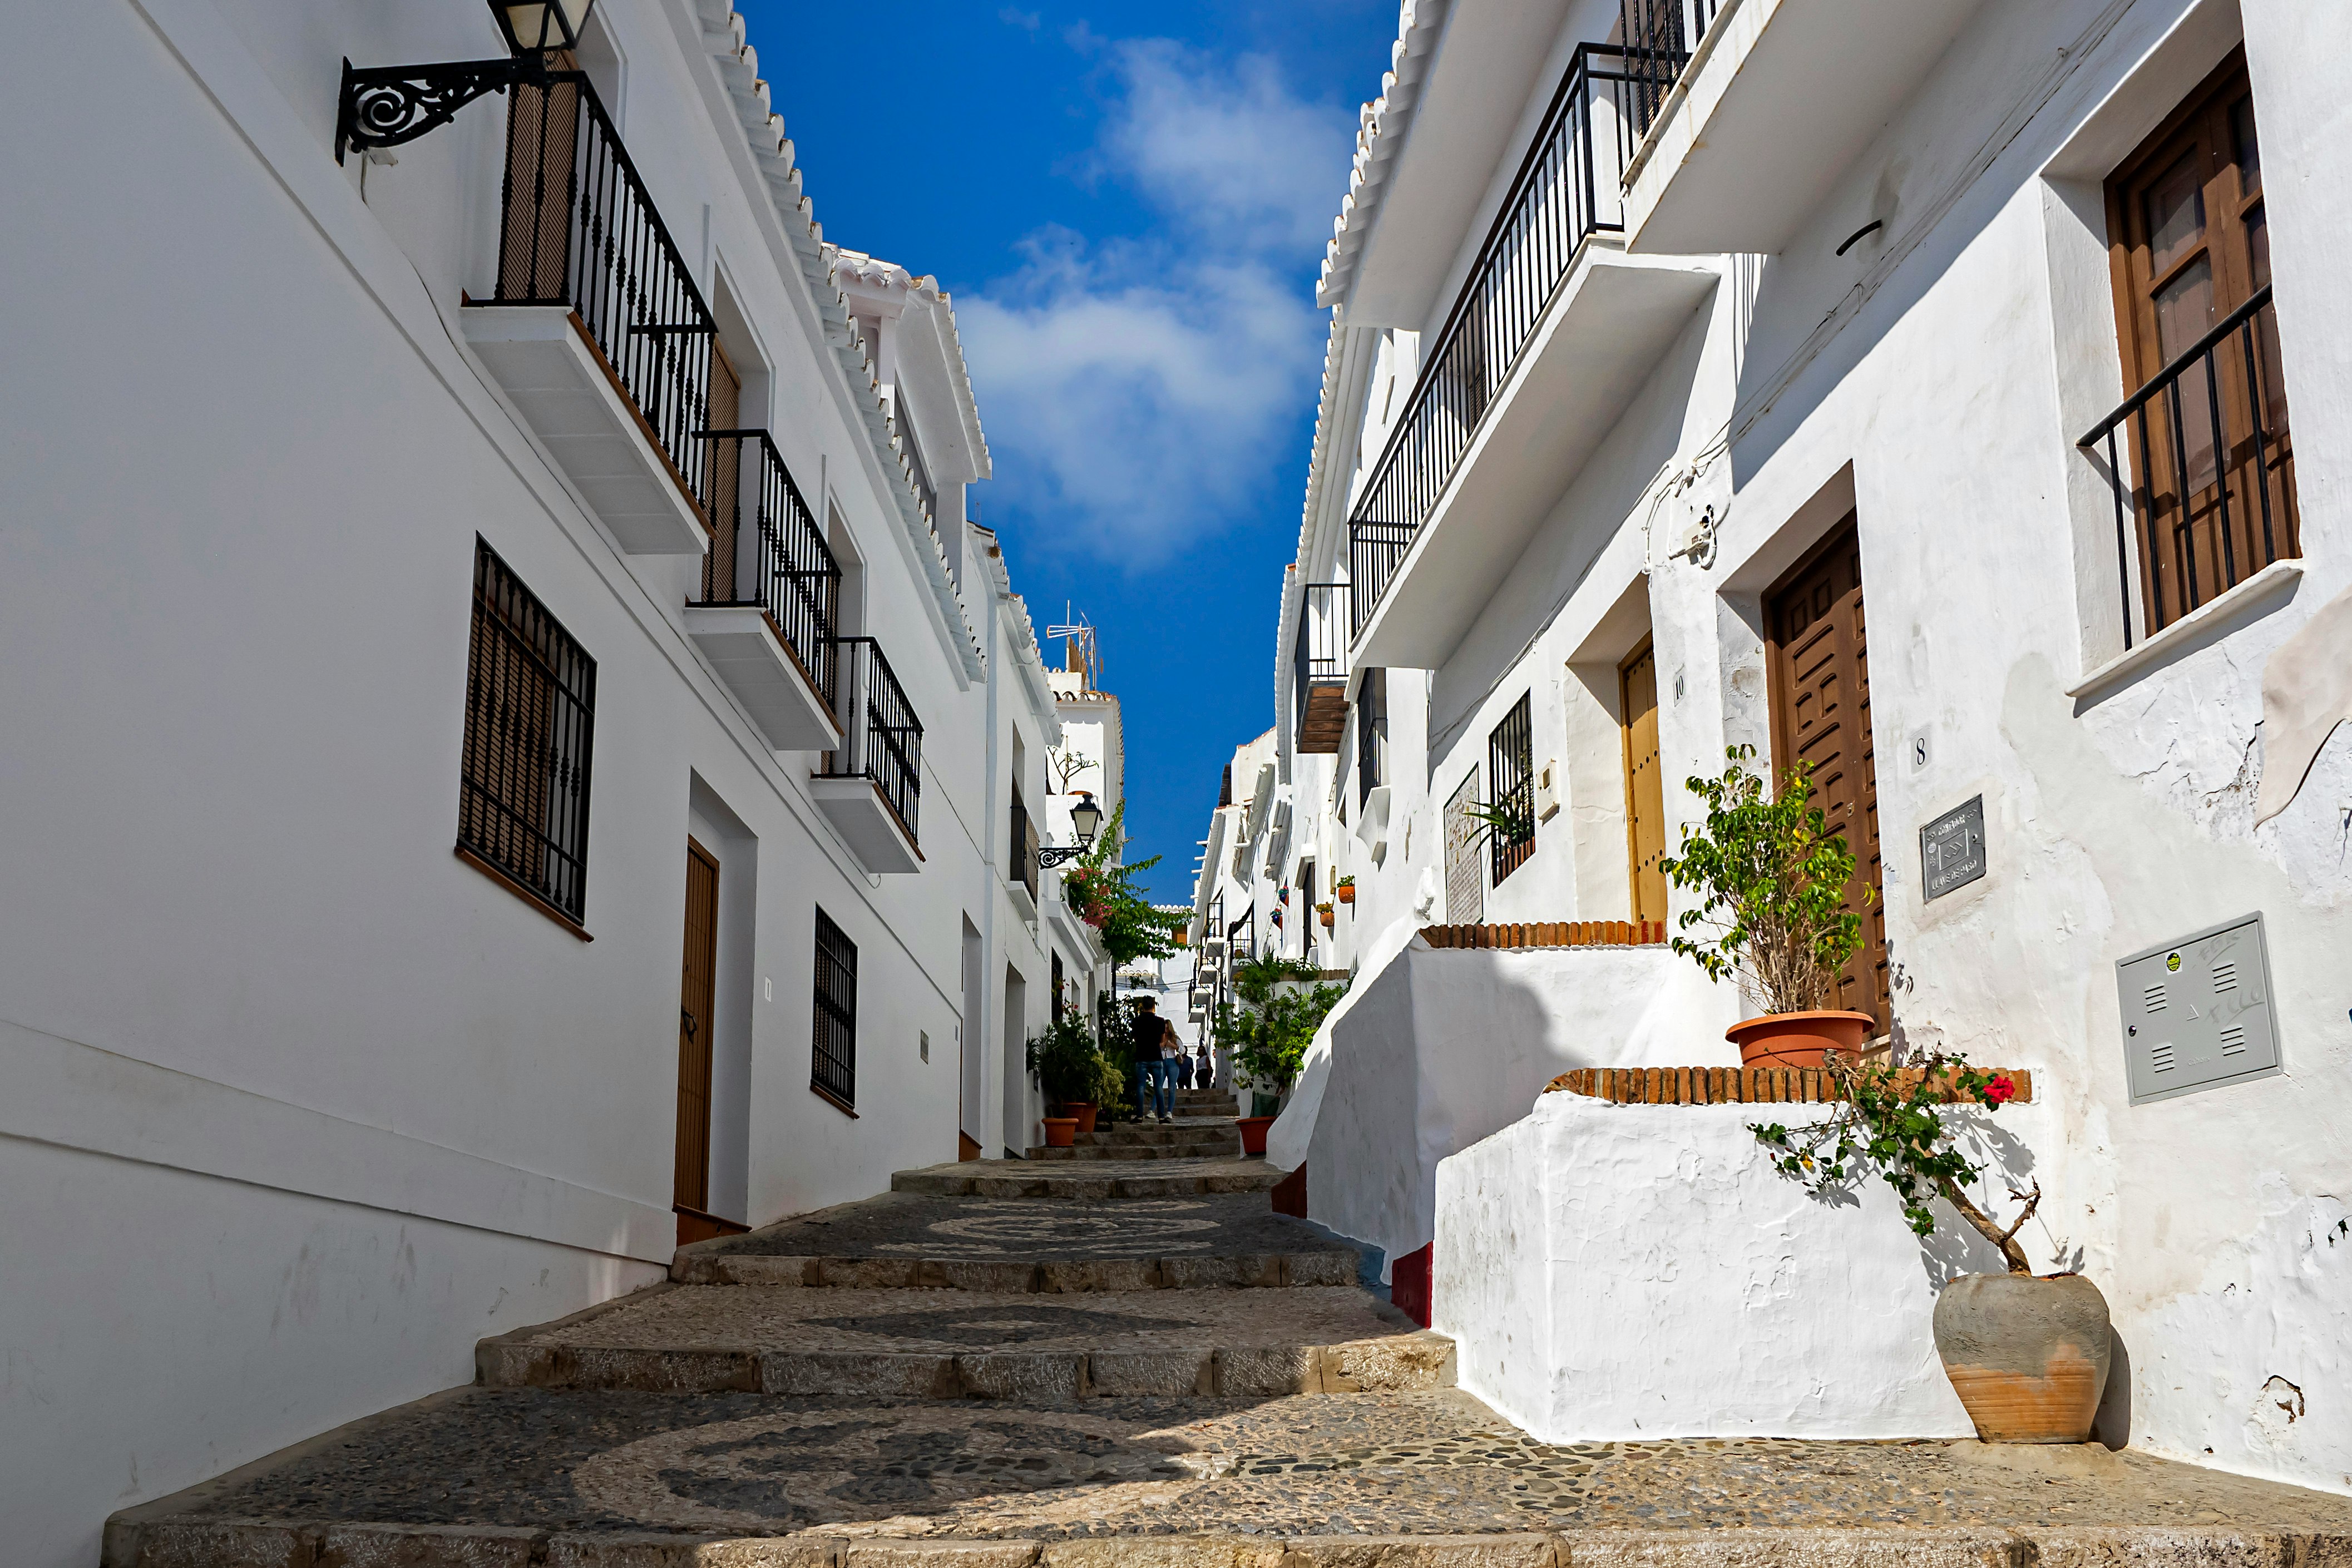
833, 1057
1371, 730
530, 720
1511, 768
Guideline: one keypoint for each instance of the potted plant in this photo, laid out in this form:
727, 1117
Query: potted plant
1773, 876
1282, 1003
1327, 915
1344, 890
1068, 1067
2027, 1354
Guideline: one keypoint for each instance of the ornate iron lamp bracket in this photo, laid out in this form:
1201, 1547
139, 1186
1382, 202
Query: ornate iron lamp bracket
1049, 857
386, 106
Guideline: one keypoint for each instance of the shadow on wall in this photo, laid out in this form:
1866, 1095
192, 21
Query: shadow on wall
1440, 1048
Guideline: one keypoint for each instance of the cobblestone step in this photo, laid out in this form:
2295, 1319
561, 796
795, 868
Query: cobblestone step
914, 1241
1042, 1178
1183, 1129
1207, 1149
494, 1478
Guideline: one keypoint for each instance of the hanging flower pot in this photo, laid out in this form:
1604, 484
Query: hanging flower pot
1799, 1040
2027, 1354
1061, 1132
1325, 912
1345, 893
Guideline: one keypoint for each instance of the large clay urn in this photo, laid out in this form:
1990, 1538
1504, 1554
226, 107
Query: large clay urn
2027, 1355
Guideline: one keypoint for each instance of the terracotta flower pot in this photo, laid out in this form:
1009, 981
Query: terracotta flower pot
2027, 1355
1330, 918
1253, 1133
1061, 1132
1346, 895
1799, 1040
1085, 1111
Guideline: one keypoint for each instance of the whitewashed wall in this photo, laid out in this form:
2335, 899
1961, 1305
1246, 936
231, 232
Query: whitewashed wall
1932, 380
294, 1105
1633, 1272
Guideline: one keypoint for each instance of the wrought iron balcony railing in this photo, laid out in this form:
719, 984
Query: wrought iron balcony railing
1319, 683
1568, 189
2208, 496
579, 230
768, 553
1660, 35
1024, 846
882, 740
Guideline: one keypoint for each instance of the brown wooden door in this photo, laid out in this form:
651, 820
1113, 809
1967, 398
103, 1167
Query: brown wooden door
1645, 795
1821, 722
724, 505
697, 990
2190, 244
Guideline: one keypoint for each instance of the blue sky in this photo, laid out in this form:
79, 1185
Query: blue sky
1128, 204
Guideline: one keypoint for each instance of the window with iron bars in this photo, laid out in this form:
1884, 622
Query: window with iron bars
1511, 773
833, 1054
1371, 728
531, 719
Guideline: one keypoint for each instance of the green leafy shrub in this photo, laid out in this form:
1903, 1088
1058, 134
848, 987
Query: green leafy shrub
1270, 1031
1773, 874
1064, 1059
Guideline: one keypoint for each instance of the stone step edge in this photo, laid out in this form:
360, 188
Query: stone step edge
1326, 1266
1414, 1360
1064, 1180
154, 1536
1228, 1147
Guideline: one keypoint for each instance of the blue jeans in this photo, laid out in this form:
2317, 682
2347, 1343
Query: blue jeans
1160, 1091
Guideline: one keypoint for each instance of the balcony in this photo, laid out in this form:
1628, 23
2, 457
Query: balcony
1743, 141
596, 330
1554, 331
870, 784
771, 590
2209, 499
1318, 681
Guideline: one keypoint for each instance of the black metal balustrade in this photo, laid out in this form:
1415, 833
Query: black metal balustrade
1319, 686
2209, 495
1659, 38
1511, 774
882, 740
780, 561
1024, 843
580, 230
833, 1038
1568, 189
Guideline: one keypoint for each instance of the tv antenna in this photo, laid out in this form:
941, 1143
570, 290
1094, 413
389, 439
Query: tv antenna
1080, 651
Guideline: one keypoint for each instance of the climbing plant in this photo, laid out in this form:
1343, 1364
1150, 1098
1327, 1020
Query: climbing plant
1889, 1120
1104, 894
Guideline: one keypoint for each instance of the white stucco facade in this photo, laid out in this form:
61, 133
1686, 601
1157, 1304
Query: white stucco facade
1906, 320
295, 1103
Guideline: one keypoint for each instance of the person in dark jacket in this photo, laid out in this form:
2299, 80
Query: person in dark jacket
1155, 1069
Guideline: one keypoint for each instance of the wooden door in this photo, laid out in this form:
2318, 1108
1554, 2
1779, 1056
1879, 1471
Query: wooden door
697, 990
724, 505
1821, 723
1645, 795
543, 148
2190, 244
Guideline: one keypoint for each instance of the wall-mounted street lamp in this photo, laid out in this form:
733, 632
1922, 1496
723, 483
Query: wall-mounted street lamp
386, 106
1086, 821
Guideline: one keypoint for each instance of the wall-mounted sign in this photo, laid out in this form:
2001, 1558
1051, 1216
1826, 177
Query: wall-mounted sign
1952, 849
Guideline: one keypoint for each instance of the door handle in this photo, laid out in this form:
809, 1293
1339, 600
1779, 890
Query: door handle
687, 1018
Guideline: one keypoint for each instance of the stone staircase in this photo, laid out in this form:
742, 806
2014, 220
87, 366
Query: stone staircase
1202, 1130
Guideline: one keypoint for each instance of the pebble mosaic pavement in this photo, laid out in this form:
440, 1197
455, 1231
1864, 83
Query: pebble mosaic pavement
1429, 1462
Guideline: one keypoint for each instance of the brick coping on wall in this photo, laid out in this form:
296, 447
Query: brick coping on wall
1728, 1085
1550, 934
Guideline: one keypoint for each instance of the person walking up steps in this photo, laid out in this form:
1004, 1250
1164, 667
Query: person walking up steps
1171, 1063
1155, 1073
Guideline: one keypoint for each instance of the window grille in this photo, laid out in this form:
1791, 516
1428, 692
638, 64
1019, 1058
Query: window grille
1511, 771
833, 1059
1371, 723
531, 715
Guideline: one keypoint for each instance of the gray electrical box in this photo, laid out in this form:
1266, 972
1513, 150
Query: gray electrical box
2198, 1013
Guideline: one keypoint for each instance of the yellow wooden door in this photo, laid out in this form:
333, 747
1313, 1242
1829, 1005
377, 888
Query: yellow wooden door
1645, 795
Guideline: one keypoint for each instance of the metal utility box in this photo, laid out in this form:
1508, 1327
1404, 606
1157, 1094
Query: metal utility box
2198, 1012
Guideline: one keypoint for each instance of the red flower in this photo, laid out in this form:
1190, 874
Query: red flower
2001, 1090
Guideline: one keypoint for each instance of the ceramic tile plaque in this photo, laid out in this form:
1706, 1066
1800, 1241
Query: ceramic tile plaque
1952, 849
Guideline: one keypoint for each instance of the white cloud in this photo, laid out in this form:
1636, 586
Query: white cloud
1140, 393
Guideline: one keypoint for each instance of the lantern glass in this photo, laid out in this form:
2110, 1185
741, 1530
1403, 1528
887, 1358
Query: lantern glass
542, 25
1086, 817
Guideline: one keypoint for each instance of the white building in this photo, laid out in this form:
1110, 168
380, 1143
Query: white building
1651, 368
366, 509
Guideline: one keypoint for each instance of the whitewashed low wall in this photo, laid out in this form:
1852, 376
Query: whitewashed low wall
1433, 1050
1638, 1272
